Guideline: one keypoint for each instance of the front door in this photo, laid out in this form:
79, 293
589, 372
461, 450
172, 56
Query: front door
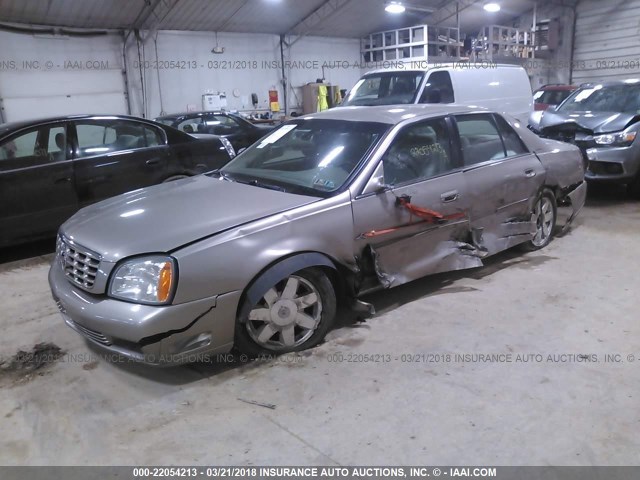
416, 224
37, 191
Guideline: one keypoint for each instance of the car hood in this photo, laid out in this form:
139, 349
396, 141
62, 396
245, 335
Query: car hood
595, 122
165, 217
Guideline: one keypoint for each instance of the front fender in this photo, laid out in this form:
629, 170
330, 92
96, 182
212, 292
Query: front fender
282, 270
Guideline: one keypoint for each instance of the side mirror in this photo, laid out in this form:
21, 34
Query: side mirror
378, 185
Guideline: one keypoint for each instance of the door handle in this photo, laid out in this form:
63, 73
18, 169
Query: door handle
530, 173
449, 196
153, 161
62, 180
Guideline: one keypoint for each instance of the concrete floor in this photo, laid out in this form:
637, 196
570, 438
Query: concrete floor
578, 296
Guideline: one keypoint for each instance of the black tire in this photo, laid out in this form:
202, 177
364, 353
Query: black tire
544, 228
310, 281
633, 189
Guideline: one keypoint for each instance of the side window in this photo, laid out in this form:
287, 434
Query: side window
479, 139
420, 151
19, 147
219, 124
98, 137
438, 89
190, 125
512, 141
57, 149
39, 146
152, 136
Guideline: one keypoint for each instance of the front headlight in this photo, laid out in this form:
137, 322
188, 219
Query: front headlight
227, 145
149, 280
620, 139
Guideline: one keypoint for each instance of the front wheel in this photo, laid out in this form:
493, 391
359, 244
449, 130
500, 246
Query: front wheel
634, 188
292, 315
544, 216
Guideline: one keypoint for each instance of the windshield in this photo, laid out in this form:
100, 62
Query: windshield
615, 98
306, 156
386, 88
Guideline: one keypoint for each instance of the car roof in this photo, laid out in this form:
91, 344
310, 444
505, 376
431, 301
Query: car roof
453, 65
611, 83
192, 114
392, 114
560, 87
11, 126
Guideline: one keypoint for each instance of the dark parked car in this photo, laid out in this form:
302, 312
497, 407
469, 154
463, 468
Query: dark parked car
51, 168
240, 132
329, 206
604, 121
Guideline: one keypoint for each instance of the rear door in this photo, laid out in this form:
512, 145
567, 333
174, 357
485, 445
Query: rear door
420, 168
114, 156
503, 179
36, 183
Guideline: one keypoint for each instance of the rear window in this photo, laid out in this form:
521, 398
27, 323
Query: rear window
551, 97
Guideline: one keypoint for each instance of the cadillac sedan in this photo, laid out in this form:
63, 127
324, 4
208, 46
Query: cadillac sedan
327, 206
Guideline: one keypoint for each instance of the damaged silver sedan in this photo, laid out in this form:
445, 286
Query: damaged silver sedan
327, 206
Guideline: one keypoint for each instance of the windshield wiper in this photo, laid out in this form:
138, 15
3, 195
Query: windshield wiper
257, 183
253, 182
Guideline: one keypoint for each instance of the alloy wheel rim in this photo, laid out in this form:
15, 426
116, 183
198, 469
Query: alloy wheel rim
287, 314
544, 218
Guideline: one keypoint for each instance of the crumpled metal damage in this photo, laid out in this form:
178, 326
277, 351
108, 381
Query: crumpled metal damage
573, 201
450, 253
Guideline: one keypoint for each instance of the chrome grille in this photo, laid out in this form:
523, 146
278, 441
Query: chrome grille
80, 265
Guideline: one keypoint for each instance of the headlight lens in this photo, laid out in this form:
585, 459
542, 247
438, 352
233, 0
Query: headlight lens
621, 139
149, 280
227, 145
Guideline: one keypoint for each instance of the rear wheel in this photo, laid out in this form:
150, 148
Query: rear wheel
292, 315
544, 216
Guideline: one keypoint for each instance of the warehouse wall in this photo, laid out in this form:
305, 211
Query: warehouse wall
250, 64
54, 75
607, 46
552, 66
44, 75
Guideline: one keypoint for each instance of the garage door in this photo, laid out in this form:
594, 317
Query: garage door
26, 94
607, 40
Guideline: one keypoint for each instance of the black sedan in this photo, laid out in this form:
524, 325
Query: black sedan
240, 132
51, 168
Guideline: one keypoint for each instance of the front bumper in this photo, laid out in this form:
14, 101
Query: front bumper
613, 164
155, 335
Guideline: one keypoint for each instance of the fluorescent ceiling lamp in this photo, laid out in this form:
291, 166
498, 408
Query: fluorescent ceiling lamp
491, 7
394, 7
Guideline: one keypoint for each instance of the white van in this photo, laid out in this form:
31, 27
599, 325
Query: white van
502, 88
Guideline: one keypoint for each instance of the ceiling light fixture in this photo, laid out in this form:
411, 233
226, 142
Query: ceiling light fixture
394, 7
491, 7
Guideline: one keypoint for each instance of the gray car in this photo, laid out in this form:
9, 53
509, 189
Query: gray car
328, 206
603, 120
